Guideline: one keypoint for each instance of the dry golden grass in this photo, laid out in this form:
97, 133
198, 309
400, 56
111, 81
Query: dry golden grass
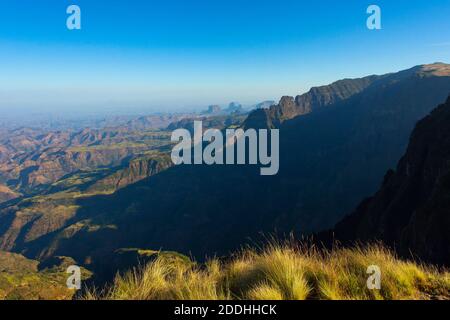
282, 272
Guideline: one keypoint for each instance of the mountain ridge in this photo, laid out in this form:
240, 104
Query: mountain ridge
322, 96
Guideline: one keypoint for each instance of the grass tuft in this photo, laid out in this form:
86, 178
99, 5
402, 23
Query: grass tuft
282, 272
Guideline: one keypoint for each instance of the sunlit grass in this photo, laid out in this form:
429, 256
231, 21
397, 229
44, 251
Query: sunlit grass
281, 272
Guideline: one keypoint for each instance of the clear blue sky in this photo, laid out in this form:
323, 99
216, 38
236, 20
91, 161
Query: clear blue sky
187, 53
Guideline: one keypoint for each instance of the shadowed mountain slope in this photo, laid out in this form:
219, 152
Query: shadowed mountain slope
411, 211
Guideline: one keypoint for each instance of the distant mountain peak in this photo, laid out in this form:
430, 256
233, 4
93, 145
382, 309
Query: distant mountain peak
437, 69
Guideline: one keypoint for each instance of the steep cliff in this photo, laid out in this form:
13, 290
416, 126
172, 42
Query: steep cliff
411, 211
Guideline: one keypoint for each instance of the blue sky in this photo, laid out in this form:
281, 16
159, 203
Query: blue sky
169, 55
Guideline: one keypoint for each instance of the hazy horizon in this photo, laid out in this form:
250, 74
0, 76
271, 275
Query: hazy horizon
167, 57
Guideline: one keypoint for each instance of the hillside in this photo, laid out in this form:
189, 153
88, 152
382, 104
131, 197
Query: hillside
34, 217
411, 211
7, 194
32, 159
21, 279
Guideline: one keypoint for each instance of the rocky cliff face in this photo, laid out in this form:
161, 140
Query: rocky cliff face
315, 99
319, 97
411, 211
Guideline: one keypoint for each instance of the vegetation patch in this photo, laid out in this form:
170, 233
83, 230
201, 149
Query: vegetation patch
281, 272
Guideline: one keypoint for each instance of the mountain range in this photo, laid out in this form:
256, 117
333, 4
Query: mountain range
336, 144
